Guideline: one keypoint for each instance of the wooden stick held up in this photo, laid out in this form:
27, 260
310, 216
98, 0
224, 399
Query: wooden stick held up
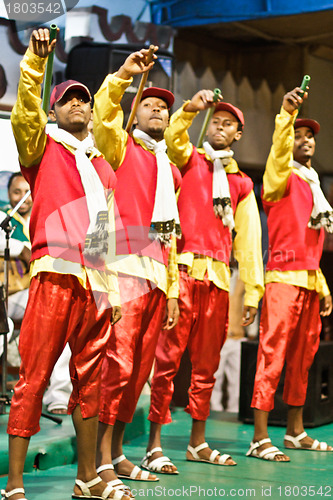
142, 84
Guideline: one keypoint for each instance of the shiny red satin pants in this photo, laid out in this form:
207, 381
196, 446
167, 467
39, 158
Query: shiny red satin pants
202, 328
289, 332
131, 349
59, 310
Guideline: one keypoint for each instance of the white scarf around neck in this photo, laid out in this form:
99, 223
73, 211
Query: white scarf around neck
221, 191
96, 243
165, 218
322, 212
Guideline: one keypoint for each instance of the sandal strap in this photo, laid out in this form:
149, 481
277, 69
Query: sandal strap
322, 445
101, 468
135, 471
255, 444
273, 449
107, 492
118, 495
154, 450
119, 459
315, 444
12, 492
118, 485
159, 462
200, 447
295, 440
85, 487
144, 474
262, 441
223, 458
213, 455
194, 451
302, 435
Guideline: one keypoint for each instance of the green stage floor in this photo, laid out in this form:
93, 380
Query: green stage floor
309, 475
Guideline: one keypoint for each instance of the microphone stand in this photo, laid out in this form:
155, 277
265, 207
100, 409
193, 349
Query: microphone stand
6, 226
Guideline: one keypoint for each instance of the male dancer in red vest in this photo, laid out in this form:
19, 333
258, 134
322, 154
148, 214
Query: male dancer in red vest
145, 197
296, 291
70, 286
215, 199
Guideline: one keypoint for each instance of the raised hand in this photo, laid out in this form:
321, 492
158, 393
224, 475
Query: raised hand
136, 64
293, 99
201, 100
40, 44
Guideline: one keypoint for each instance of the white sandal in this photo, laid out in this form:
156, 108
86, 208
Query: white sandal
85, 488
7, 494
134, 473
296, 440
157, 464
211, 460
115, 483
266, 454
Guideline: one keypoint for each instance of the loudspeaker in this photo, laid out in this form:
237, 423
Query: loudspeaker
91, 62
318, 408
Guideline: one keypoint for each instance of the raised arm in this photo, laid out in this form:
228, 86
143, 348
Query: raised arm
109, 134
280, 160
176, 135
28, 119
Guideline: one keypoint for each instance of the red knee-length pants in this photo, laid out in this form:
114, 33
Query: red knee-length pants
289, 332
59, 310
131, 349
202, 328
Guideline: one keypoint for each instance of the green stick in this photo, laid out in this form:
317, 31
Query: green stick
209, 114
304, 85
48, 72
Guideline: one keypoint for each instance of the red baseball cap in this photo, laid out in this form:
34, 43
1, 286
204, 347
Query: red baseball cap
163, 94
60, 90
306, 122
226, 106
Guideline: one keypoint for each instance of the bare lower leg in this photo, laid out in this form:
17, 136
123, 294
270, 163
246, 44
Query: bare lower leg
154, 442
198, 437
198, 432
154, 436
295, 420
260, 424
118, 438
103, 455
261, 432
18, 447
86, 434
124, 467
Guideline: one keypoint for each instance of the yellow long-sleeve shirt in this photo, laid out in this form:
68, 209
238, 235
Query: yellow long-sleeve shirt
278, 169
247, 242
28, 122
111, 139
